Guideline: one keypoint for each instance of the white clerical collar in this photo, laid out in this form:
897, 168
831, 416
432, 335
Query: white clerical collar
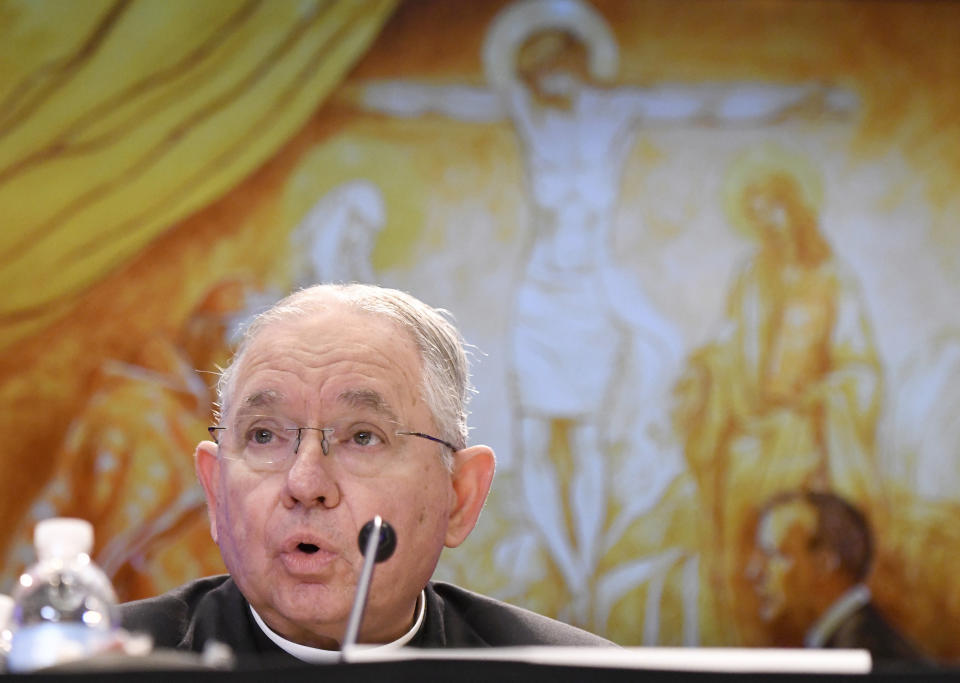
848, 603
315, 655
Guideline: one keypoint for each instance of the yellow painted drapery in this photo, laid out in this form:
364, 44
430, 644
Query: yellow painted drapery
119, 118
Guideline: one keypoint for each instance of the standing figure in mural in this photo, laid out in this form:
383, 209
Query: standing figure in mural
577, 317
334, 240
788, 396
809, 569
121, 465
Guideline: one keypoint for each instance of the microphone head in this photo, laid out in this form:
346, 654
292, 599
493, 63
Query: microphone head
385, 546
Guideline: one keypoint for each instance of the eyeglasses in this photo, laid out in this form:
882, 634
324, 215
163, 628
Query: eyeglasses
269, 443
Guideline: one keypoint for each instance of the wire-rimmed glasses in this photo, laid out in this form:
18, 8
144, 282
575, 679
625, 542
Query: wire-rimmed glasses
269, 443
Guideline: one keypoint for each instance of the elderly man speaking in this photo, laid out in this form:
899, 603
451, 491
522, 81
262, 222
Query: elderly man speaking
343, 402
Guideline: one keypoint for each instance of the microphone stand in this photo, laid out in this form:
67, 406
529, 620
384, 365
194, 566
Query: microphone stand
363, 590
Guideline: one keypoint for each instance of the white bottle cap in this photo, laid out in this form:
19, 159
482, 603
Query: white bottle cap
62, 537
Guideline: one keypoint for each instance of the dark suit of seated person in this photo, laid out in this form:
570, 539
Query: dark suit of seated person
813, 556
342, 402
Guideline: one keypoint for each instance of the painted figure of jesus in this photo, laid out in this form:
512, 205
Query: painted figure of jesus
577, 316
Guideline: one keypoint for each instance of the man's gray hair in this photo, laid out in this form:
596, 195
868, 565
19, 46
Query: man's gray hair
445, 385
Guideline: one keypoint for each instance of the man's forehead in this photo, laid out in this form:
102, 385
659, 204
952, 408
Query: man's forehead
328, 326
322, 338
358, 398
792, 517
333, 314
766, 538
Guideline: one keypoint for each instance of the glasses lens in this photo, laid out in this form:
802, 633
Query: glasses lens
265, 442
362, 446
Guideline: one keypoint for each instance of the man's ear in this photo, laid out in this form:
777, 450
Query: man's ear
207, 465
472, 475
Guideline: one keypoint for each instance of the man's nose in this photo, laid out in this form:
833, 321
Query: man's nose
310, 481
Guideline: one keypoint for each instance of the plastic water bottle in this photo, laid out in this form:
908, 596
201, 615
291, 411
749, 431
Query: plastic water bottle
64, 606
6, 629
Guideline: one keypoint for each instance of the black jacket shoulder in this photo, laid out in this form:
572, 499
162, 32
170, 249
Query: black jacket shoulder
186, 618
213, 608
460, 618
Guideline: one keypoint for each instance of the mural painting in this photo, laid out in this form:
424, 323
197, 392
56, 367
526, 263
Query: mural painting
704, 252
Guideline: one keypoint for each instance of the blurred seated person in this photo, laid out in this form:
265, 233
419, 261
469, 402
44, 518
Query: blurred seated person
813, 555
342, 402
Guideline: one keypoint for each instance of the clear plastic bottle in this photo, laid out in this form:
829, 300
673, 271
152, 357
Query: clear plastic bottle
6, 629
64, 605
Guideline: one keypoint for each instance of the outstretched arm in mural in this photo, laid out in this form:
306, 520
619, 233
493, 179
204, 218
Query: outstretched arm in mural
407, 99
732, 103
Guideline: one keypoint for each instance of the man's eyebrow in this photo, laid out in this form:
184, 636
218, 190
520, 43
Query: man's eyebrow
368, 398
259, 399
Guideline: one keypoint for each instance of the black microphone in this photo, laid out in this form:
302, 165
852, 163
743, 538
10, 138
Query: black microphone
386, 544
377, 541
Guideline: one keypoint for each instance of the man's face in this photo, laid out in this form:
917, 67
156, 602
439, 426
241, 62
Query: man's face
784, 569
289, 537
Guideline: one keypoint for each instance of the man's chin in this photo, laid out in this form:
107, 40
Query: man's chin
311, 605
308, 629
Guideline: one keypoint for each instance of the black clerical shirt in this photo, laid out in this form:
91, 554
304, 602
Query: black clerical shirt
213, 609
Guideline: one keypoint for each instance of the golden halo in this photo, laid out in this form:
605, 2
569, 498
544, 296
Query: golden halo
520, 20
759, 165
